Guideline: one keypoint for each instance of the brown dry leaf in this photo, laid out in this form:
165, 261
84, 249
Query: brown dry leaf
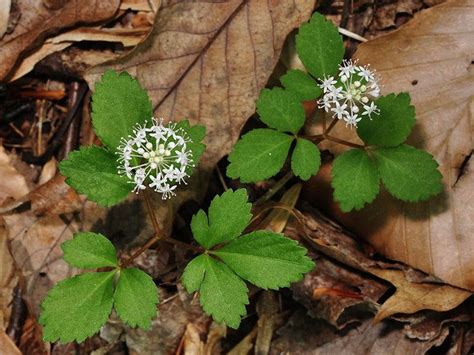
39, 18
8, 278
208, 61
7, 346
278, 217
411, 297
334, 242
5, 6
430, 57
12, 184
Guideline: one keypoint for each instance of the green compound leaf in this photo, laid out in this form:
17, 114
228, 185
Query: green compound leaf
408, 173
393, 125
89, 251
301, 84
355, 180
266, 259
281, 109
118, 104
319, 46
223, 294
259, 155
306, 159
194, 273
76, 308
135, 298
229, 214
92, 171
197, 134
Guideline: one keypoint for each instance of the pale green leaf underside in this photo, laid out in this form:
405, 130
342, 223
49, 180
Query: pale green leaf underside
393, 125
76, 308
319, 46
259, 155
223, 294
89, 250
408, 173
306, 159
301, 84
266, 259
92, 171
118, 104
355, 180
281, 109
135, 298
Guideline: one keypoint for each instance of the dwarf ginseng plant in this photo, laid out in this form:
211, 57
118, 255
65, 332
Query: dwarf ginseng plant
349, 93
143, 155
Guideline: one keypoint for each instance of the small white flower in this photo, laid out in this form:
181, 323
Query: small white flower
350, 95
156, 157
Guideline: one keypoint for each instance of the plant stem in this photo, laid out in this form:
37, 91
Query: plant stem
343, 142
158, 235
331, 126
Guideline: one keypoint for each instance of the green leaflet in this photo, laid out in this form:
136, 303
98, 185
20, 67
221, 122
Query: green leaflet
306, 159
223, 294
118, 104
135, 298
89, 251
266, 259
281, 109
408, 173
301, 84
355, 180
76, 308
319, 46
259, 155
229, 214
92, 171
392, 126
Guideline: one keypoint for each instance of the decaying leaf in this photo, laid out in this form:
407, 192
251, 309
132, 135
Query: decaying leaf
211, 68
334, 242
430, 57
411, 297
13, 184
8, 278
4, 16
37, 20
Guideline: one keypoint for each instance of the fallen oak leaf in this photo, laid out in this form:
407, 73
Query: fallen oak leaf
411, 297
211, 69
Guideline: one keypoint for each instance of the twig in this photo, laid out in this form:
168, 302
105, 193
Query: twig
352, 35
275, 188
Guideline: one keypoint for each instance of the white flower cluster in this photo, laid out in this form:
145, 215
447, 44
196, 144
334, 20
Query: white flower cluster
350, 96
157, 156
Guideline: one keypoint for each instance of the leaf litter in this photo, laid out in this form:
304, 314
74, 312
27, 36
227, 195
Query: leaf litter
199, 77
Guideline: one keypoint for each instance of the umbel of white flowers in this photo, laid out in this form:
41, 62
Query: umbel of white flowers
350, 95
156, 157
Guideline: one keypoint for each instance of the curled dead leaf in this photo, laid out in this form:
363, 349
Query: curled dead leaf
38, 20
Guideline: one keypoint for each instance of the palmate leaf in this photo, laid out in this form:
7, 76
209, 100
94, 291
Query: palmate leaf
89, 251
319, 46
266, 259
118, 104
301, 84
393, 125
229, 214
259, 155
281, 109
135, 298
408, 173
306, 159
76, 308
93, 171
355, 180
